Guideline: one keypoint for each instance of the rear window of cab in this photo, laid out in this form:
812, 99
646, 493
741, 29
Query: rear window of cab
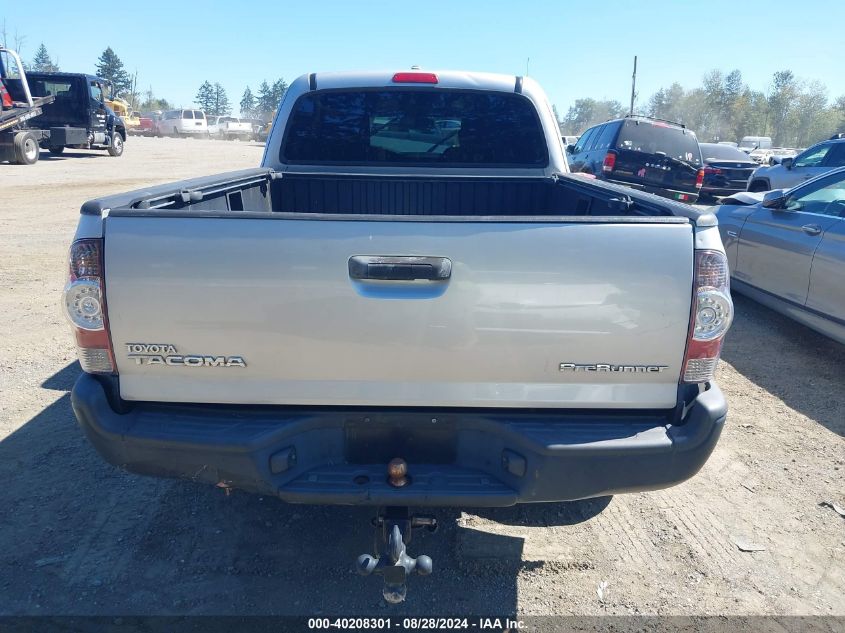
439, 127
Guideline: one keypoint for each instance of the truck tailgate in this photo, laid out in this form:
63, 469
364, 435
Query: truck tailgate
267, 310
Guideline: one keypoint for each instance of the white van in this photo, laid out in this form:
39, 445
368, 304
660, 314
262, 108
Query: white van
183, 123
749, 143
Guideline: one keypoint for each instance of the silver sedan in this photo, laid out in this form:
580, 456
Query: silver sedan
786, 249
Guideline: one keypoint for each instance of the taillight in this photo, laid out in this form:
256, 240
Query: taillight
415, 78
712, 313
699, 179
85, 306
609, 162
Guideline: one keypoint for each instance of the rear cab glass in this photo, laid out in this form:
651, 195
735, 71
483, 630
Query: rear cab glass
651, 137
441, 127
50, 87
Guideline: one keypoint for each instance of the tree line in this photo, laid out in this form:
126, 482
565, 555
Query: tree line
794, 112
211, 97
213, 100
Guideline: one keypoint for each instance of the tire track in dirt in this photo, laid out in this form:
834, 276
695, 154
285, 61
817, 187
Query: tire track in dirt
113, 522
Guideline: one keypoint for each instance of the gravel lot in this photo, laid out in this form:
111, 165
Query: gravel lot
79, 537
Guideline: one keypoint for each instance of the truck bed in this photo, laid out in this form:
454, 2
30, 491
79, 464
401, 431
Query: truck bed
267, 191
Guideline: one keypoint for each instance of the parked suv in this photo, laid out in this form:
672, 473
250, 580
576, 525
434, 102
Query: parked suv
657, 156
183, 123
788, 172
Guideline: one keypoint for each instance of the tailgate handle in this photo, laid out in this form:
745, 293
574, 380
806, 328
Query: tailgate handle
402, 268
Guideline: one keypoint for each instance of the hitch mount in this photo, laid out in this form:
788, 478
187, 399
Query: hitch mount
394, 528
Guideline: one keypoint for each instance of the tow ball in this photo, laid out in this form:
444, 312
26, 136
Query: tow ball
394, 527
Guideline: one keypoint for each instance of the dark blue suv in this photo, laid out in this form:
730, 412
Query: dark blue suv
657, 156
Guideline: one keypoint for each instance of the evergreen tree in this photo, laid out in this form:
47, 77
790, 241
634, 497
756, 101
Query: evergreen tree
221, 101
280, 87
110, 68
205, 98
248, 104
266, 100
42, 63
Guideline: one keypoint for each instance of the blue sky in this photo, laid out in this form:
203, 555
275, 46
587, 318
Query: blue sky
576, 49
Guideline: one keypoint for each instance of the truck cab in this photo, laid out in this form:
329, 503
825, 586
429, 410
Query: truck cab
79, 117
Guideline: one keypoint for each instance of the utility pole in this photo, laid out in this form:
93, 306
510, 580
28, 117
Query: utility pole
633, 84
133, 95
527, 62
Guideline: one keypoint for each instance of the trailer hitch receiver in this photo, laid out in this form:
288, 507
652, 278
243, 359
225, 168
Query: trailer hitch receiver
393, 530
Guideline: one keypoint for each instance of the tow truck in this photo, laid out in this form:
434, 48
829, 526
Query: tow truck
19, 143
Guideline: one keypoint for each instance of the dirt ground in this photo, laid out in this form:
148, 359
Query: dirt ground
80, 537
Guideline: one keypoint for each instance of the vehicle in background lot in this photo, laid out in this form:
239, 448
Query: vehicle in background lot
212, 125
726, 170
569, 140
123, 109
750, 143
729, 143
147, 123
760, 156
787, 250
182, 123
789, 172
256, 127
776, 154
19, 143
657, 156
78, 117
133, 122
264, 130
229, 128
765, 156
409, 313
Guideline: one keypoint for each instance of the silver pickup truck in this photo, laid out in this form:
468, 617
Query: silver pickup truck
410, 303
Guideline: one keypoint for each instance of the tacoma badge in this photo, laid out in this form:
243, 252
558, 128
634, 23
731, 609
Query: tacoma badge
166, 354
